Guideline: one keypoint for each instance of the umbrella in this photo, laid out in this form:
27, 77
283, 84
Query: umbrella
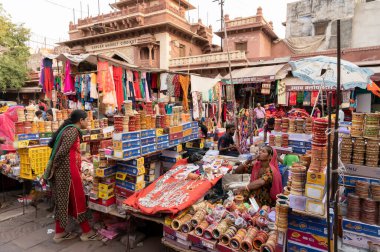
323, 70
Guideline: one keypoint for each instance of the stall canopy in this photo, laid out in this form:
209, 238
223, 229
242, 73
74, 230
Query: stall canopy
256, 74
376, 70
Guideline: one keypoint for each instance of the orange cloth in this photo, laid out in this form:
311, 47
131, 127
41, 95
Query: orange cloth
185, 83
193, 188
374, 89
104, 77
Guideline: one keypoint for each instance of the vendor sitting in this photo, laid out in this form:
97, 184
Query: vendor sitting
226, 145
265, 181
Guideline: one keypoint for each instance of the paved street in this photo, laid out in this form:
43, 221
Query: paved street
27, 232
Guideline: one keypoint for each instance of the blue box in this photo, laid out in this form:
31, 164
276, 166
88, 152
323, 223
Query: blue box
130, 170
129, 186
295, 143
163, 138
307, 224
106, 172
163, 145
126, 136
127, 153
297, 247
44, 141
186, 139
186, 126
195, 130
28, 137
194, 136
169, 159
175, 142
194, 124
148, 133
148, 141
360, 227
148, 149
299, 150
133, 162
351, 180
126, 145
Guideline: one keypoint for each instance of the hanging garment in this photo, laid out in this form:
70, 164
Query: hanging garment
163, 78
125, 85
185, 83
109, 97
118, 79
314, 96
195, 105
69, 87
177, 85
136, 85
154, 80
346, 98
281, 93
142, 84
93, 90
300, 97
293, 98
104, 77
170, 85
306, 98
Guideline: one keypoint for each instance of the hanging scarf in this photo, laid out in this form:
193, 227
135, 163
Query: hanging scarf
170, 85
118, 79
93, 92
293, 98
195, 105
307, 98
69, 88
185, 83
300, 97
314, 96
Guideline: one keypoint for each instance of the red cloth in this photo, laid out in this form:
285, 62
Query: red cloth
77, 198
154, 80
48, 81
103, 75
177, 86
195, 194
7, 129
136, 85
314, 96
277, 180
293, 98
118, 79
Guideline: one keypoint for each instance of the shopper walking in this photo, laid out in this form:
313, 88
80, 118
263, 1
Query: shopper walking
63, 173
259, 115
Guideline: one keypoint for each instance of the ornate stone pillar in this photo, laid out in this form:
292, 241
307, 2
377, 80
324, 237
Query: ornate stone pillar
150, 47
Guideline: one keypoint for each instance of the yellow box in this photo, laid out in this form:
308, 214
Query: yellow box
317, 207
318, 178
94, 137
159, 131
189, 144
315, 191
121, 175
187, 132
175, 129
140, 186
106, 187
140, 161
106, 195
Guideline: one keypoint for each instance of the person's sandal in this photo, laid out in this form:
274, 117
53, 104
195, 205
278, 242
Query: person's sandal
67, 236
91, 236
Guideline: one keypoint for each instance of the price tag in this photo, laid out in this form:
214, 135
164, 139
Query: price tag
181, 236
94, 137
207, 244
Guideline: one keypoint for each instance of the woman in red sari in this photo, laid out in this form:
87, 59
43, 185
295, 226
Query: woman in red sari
65, 179
265, 181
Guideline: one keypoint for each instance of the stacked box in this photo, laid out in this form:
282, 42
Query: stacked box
33, 161
358, 234
130, 176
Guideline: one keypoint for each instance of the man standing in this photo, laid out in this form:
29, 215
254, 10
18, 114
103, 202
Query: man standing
226, 145
259, 115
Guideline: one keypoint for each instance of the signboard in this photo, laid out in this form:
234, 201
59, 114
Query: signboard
249, 80
113, 44
308, 88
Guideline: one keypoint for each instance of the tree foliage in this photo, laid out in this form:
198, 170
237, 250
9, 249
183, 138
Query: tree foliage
14, 53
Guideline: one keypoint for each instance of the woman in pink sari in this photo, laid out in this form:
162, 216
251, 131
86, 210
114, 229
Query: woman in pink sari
266, 180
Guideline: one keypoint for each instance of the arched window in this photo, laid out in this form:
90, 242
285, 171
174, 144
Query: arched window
144, 53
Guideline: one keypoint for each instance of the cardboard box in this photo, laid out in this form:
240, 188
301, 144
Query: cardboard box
362, 171
126, 145
316, 192
314, 241
159, 132
126, 136
177, 148
316, 206
317, 178
186, 126
298, 247
195, 136
297, 202
174, 142
148, 141
136, 162
175, 136
171, 159
148, 133
360, 227
148, 149
163, 145
358, 239
134, 179
131, 170
175, 234
187, 132
21, 137
123, 192
194, 124
163, 138
106, 195
351, 180
101, 208
149, 178
105, 172
130, 186
186, 139
307, 224
175, 129
127, 153
106, 187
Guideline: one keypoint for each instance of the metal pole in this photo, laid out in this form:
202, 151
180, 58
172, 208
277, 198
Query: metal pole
74, 15
81, 12
98, 7
335, 145
328, 173
221, 25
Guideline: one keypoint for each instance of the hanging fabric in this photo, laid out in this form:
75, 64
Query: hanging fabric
163, 79
136, 84
69, 87
185, 83
170, 85
281, 92
196, 112
103, 75
109, 97
125, 85
142, 84
307, 98
177, 85
154, 81
293, 98
314, 96
93, 90
118, 80
300, 97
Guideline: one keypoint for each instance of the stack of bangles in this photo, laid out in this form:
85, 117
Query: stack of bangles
177, 223
228, 235
270, 245
236, 241
246, 244
199, 230
221, 228
198, 217
368, 214
282, 208
354, 206
375, 189
362, 189
260, 239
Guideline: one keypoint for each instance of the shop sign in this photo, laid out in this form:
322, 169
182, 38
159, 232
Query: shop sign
248, 80
113, 44
308, 88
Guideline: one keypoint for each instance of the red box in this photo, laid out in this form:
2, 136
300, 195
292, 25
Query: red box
201, 242
102, 202
123, 192
175, 234
175, 136
314, 241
